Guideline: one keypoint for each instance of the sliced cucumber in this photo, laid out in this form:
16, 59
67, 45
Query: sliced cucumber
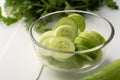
78, 15
84, 55
80, 47
79, 21
89, 57
63, 38
94, 54
46, 43
46, 35
92, 37
77, 61
62, 44
68, 21
82, 41
65, 31
86, 40
83, 44
97, 35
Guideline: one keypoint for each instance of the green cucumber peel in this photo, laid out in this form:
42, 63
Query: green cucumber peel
108, 72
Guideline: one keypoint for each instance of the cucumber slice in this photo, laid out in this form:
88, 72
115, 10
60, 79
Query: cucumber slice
46, 43
65, 31
46, 35
95, 54
97, 35
77, 61
82, 41
89, 57
61, 44
78, 15
45, 39
80, 47
83, 44
79, 20
84, 55
68, 21
92, 37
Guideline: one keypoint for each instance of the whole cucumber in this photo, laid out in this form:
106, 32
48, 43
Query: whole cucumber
109, 72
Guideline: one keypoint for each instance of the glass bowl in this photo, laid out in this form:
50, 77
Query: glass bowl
75, 63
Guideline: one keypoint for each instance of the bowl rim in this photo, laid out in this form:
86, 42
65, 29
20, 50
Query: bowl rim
71, 52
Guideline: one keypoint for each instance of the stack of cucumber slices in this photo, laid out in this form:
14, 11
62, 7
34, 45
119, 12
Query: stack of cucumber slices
70, 35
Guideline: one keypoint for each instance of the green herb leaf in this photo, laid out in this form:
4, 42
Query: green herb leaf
33, 9
111, 4
7, 20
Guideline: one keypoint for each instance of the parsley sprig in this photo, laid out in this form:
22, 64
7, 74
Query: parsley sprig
33, 9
